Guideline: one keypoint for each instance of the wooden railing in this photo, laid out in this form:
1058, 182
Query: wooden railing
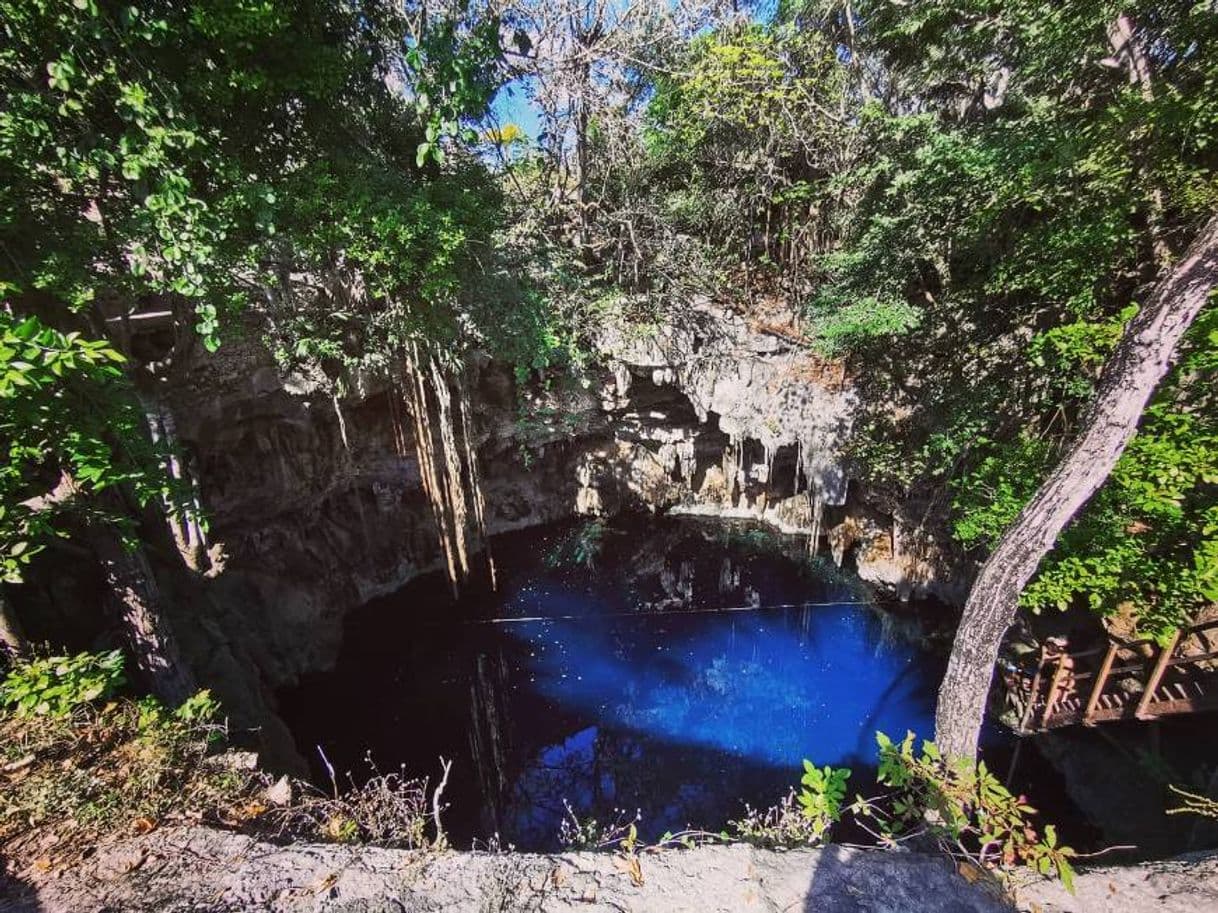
1122, 680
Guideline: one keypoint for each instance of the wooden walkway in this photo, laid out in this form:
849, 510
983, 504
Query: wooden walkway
1126, 680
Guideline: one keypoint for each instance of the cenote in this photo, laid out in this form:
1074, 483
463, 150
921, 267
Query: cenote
671, 667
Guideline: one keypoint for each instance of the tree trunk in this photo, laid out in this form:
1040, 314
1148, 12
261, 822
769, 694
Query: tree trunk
138, 598
12, 637
1130, 377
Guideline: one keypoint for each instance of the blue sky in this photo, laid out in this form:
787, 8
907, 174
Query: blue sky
512, 106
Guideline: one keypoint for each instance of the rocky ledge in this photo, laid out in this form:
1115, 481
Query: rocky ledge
197, 869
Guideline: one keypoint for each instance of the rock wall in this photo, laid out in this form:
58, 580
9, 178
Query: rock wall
315, 503
769, 444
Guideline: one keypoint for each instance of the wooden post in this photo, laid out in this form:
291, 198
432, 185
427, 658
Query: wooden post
1101, 679
1032, 693
1051, 700
1156, 676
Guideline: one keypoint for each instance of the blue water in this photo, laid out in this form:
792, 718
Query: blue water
688, 671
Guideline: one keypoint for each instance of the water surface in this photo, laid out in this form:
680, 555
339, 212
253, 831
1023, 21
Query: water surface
676, 669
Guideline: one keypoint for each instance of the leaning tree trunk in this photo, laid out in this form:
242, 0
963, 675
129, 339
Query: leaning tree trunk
135, 591
1129, 378
12, 637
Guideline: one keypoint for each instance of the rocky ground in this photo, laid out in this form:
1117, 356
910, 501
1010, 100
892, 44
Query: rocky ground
196, 869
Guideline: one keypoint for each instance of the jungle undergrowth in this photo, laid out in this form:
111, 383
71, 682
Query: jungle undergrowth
83, 763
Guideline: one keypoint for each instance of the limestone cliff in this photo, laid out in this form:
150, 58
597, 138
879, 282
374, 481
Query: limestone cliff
316, 504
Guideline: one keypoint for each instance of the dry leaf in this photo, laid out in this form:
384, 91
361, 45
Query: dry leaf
326, 883
636, 871
252, 809
972, 874
142, 825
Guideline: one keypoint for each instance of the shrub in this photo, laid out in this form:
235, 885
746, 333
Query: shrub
57, 685
964, 809
387, 810
799, 819
581, 834
124, 767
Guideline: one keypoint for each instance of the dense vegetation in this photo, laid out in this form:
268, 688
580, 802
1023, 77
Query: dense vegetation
964, 201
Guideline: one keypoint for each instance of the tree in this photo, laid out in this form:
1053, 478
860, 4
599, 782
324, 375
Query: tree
1027, 170
73, 453
195, 158
1140, 361
12, 637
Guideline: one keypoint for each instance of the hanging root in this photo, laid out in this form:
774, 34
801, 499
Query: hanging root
453, 477
475, 477
445, 468
426, 448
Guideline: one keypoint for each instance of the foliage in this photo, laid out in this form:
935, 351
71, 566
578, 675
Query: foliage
70, 428
304, 158
963, 808
1147, 540
622, 836
743, 135
1018, 188
156, 149
580, 547
966, 200
995, 489
821, 795
580, 834
118, 767
58, 685
93, 764
799, 819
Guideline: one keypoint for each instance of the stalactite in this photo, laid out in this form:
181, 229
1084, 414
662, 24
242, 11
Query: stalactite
741, 475
733, 469
729, 472
688, 459
770, 453
818, 514
838, 546
621, 381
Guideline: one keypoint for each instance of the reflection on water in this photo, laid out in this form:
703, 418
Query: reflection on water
664, 679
